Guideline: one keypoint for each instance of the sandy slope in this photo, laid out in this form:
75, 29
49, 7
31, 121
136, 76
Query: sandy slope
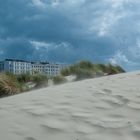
105, 108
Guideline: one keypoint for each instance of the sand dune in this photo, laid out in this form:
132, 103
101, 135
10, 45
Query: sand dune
106, 108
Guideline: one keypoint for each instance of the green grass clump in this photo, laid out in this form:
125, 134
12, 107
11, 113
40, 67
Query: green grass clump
59, 80
9, 84
40, 80
23, 78
65, 72
86, 69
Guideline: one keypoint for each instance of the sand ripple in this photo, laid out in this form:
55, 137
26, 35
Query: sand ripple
105, 108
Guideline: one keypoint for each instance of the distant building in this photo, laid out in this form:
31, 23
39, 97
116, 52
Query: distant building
17, 67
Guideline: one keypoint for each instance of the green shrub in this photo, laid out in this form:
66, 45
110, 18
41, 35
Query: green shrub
85, 69
23, 78
114, 69
82, 70
100, 67
40, 80
73, 69
84, 74
120, 69
65, 72
85, 65
9, 84
59, 80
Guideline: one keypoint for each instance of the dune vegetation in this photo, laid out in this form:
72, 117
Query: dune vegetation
86, 69
11, 84
59, 80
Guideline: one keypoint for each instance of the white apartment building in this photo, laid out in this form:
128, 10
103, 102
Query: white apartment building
15, 66
20, 67
47, 69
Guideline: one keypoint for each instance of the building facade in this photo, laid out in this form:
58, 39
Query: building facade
15, 66
21, 67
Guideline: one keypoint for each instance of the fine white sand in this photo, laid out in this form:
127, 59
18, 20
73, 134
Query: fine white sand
106, 108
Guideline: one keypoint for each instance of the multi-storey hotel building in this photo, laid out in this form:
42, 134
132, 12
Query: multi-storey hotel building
20, 67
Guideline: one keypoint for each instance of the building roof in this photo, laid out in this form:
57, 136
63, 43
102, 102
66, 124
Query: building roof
40, 62
33, 62
17, 60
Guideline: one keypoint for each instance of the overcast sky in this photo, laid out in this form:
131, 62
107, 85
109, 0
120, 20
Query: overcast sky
71, 30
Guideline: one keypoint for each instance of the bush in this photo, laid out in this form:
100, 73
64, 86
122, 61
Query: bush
23, 78
85, 65
40, 80
120, 69
9, 84
84, 74
86, 69
100, 68
65, 72
59, 80
82, 70
114, 69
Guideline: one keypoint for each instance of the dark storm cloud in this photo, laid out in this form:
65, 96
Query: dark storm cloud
70, 30
16, 48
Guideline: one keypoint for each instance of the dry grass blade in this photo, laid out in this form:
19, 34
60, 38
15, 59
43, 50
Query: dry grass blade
8, 86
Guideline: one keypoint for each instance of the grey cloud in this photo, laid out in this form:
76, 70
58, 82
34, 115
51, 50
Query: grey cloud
94, 30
